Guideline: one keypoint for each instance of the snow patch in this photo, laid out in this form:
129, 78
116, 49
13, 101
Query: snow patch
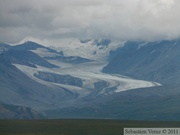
87, 49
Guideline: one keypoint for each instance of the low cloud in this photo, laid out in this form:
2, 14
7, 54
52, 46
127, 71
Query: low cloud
45, 20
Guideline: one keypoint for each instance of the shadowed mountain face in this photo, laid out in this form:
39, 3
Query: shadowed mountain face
155, 61
27, 58
18, 112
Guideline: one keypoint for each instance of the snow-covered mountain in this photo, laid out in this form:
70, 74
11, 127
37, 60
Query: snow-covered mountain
46, 78
97, 49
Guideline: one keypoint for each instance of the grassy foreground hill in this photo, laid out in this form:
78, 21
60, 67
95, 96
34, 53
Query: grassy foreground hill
74, 126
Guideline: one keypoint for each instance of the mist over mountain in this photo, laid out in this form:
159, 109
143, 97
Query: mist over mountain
52, 21
87, 78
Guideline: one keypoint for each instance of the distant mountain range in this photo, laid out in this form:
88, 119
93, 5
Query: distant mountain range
87, 78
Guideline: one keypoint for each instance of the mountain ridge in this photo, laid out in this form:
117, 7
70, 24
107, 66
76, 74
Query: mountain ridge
77, 84
153, 61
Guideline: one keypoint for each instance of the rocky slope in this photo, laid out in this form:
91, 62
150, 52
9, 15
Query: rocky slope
18, 112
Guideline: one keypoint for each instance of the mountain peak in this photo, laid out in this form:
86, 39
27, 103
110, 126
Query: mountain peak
28, 45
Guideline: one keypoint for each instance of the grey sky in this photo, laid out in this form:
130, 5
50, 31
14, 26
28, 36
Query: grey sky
53, 20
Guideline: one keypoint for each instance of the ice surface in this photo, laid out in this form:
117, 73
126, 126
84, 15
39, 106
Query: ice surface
90, 73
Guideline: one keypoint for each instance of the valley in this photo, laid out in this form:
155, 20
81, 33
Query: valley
90, 73
119, 81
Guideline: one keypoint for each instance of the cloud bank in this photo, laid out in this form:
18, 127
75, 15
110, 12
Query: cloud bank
53, 20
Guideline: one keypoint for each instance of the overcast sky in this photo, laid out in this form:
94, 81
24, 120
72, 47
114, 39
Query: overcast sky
53, 20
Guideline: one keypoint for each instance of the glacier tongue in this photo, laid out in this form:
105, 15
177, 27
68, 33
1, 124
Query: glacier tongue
94, 81
91, 71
